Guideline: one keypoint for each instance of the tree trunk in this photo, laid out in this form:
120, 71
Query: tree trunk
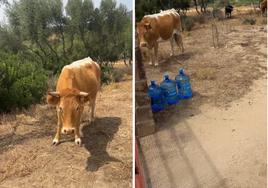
196, 7
125, 59
56, 67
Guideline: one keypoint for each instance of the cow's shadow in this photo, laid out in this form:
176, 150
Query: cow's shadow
96, 138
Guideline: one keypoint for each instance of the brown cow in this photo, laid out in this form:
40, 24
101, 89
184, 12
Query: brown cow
78, 84
263, 7
158, 27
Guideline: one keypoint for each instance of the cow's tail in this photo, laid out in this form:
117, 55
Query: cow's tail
178, 40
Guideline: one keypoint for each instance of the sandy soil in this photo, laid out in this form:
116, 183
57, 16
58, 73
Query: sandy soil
218, 138
105, 159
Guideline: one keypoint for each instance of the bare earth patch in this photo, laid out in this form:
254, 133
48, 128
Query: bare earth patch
105, 159
217, 138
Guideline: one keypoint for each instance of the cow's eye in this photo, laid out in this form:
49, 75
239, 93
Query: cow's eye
61, 110
77, 108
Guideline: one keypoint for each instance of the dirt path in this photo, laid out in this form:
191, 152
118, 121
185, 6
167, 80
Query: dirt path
105, 160
214, 147
218, 138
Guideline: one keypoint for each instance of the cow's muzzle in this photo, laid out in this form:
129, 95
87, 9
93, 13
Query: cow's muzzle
68, 131
143, 44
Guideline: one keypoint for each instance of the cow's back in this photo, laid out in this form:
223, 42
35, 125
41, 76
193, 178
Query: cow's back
164, 23
83, 75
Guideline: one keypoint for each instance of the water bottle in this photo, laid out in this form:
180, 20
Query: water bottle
184, 86
155, 93
170, 94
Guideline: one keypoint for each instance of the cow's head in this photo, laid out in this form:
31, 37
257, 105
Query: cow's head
143, 30
70, 106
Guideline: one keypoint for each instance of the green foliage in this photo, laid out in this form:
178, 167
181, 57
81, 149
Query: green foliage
154, 6
106, 74
188, 23
112, 74
40, 39
57, 39
238, 4
41, 28
217, 13
200, 18
21, 84
102, 31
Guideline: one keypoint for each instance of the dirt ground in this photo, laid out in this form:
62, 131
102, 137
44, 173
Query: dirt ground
218, 138
105, 160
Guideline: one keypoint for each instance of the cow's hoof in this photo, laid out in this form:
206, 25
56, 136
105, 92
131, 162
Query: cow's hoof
78, 142
92, 122
55, 142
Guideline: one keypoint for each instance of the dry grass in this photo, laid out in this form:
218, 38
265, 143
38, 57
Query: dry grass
205, 74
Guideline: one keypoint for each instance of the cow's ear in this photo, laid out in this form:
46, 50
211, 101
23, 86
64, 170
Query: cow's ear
53, 100
148, 26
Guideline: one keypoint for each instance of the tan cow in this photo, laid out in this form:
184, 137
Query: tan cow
78, 84
160, 27
263, 7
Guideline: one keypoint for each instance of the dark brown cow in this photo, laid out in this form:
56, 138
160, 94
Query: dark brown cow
228, 11
159, 27
263, 7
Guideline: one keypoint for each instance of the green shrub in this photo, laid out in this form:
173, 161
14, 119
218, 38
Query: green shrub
249, 21
217, 13
21, 83
200, 18
238, 4
106, 74
188, 24
111, 74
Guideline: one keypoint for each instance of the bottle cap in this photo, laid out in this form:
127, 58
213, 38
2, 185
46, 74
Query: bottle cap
166, 76
181, 71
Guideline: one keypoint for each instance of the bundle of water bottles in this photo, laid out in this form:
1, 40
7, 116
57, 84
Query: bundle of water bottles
167, 93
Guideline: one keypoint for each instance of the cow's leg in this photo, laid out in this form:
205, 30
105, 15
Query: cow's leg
156, 54
56, 140
151, 56
78, 140
172, 46
92, 112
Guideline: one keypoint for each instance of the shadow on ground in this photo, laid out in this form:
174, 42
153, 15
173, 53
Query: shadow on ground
179, 154
96, 138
